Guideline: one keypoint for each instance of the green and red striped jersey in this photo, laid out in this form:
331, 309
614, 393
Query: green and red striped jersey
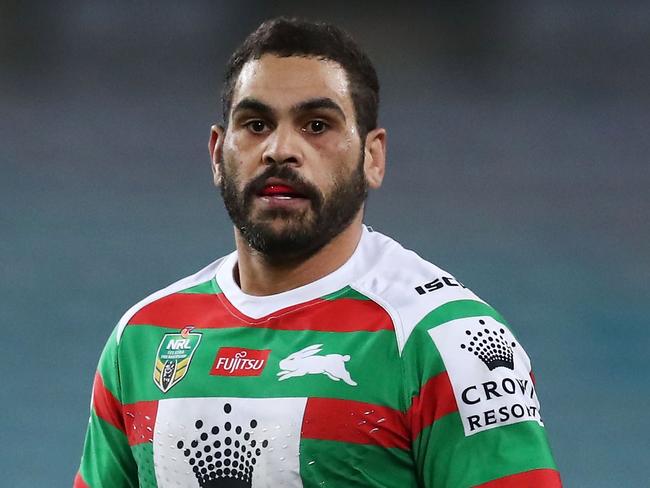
386, 373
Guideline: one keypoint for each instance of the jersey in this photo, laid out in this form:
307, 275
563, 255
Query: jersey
386, 373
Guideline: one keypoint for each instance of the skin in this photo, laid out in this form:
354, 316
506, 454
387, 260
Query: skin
319, 142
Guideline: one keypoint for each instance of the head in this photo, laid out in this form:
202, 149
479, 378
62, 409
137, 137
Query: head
284, 37
299, 146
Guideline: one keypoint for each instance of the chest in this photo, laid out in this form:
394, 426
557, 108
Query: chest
264, 406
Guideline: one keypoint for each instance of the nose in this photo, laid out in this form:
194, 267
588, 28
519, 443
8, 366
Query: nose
283, 147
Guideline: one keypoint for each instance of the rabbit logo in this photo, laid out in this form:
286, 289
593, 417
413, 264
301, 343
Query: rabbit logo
306, 361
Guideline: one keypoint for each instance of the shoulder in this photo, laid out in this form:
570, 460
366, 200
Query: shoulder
202, 276
411, 289
453, 345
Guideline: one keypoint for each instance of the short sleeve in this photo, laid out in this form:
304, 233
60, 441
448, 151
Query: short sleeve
473, 412
107, 460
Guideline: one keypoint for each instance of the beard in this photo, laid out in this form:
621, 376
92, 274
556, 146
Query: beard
303, 233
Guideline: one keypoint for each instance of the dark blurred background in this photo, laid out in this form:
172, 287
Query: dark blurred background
518, 160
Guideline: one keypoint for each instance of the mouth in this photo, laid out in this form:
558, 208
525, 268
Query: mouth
278, 190
281, 193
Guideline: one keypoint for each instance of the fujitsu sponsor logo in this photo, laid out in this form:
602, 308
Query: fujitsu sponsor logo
237, 361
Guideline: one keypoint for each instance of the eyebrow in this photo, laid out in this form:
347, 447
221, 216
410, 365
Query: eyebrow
318, 103
253, 105
260, 107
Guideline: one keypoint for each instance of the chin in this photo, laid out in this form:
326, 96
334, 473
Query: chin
284, 222
282, 240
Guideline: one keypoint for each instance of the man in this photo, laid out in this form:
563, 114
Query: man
319, 353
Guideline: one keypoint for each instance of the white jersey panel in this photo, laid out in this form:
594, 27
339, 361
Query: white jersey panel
251, 441
489, 372
407, 286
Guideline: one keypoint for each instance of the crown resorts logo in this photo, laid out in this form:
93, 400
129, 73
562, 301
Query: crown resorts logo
497, 388
223, 456
491, 347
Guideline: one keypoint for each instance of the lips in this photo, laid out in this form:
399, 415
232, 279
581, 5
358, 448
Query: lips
280, 190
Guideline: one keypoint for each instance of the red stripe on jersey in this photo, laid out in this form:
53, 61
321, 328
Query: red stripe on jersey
350, 421
342, 315
532, 377
183, 309
537, 478
140, 419
106, 406
214, 311
79, 482
435, 400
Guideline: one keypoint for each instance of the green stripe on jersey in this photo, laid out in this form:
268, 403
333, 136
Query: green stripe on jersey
106, 453
420, 356
107, 365
355, 465
458, 309
449, 459
370, 353
205, 288
346, 292
143, 454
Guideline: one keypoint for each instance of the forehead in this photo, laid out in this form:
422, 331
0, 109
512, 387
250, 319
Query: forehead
281, 82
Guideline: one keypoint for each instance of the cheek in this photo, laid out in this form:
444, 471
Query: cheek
336, 151
241, 149
346, 155
231, 173
336, 164
236, 163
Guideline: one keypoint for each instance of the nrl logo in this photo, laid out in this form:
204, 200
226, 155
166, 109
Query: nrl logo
306, 361
173, 358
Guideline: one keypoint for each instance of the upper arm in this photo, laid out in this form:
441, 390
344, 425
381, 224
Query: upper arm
473, 409
107, 460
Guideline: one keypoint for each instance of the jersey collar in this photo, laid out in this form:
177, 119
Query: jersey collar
259, 306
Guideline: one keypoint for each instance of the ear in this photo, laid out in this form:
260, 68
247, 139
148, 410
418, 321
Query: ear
374, 163
215, 146
309, 350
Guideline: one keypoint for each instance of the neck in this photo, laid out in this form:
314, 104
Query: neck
258, 276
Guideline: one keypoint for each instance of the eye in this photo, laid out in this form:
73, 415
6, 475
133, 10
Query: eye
315, 126
257, 126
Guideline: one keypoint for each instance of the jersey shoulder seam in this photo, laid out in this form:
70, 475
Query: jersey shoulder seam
201, 276
393, 281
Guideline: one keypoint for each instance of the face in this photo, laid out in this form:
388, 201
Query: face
291, 166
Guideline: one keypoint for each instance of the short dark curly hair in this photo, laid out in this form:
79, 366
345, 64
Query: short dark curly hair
287, 37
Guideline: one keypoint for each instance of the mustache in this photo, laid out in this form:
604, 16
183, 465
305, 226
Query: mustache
286, 173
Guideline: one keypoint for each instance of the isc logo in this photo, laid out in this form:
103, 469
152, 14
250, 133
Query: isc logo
178, 344
437, 284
